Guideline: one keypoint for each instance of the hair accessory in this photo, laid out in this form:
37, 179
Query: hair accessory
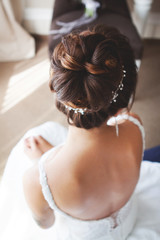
120, 86
77, 110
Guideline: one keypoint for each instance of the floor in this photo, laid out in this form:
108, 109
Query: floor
26, 101
25, 98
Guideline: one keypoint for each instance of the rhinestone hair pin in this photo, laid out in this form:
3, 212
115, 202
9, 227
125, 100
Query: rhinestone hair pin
114, 99
120, 87
77, 110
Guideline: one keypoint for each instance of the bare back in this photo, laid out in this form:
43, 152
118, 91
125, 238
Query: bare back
101, 171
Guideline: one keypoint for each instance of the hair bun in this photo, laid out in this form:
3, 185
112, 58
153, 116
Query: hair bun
111, 63
94, 69
106, 54
68, 62
87, 73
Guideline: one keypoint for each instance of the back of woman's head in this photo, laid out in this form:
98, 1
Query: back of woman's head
88, 75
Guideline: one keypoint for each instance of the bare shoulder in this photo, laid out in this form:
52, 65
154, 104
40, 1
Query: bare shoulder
136, 116
129, 124
133, 136
133, 130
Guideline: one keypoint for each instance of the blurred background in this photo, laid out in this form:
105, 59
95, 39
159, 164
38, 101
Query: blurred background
25, 98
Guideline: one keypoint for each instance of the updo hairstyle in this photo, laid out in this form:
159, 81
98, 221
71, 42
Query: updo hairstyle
86, 70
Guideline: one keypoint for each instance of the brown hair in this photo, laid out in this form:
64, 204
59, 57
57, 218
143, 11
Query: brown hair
86, 69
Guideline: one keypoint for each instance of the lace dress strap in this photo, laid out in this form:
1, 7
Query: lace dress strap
136, 122
44, 181
44, 184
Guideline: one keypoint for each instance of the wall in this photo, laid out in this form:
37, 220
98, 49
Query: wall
17, 6
147, 23
37, 16
152, 29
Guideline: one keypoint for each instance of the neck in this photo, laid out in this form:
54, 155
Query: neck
82, 135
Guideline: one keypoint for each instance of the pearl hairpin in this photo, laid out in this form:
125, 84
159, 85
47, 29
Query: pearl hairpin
120, 87
77, 110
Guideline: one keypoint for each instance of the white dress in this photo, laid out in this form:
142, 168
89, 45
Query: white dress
139, 219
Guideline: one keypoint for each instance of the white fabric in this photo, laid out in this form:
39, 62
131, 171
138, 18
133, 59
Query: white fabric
15, 43
16, 221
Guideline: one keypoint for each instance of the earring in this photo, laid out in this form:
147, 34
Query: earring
116, 125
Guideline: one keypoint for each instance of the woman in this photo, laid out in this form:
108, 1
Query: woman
93, 185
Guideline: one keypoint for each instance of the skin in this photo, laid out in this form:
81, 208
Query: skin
93, 168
